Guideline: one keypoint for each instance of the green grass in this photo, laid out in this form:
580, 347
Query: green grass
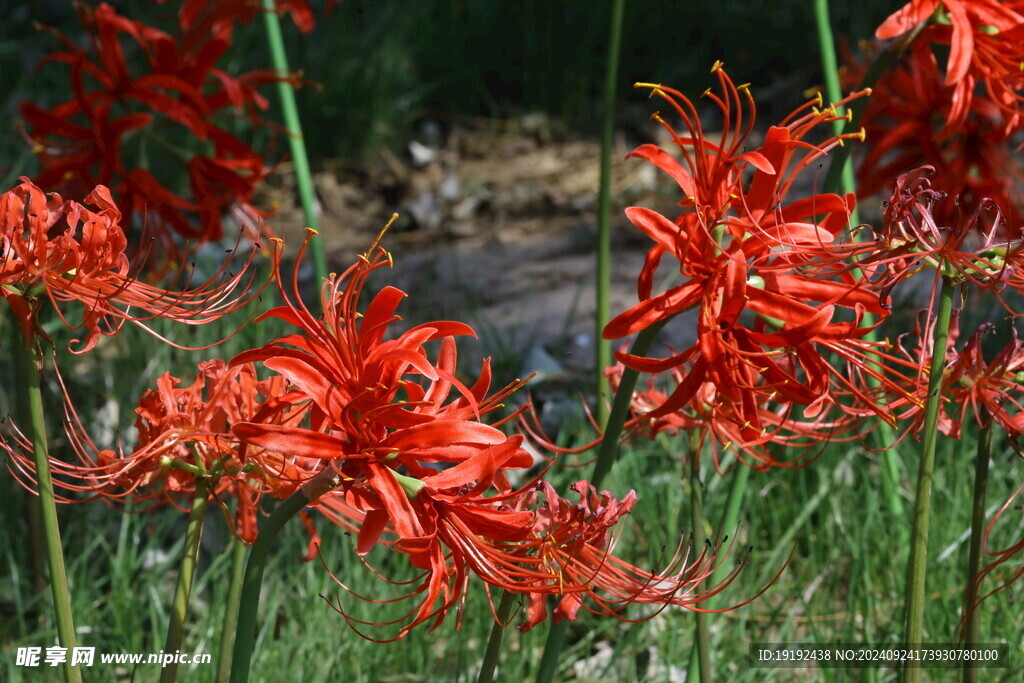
843, 583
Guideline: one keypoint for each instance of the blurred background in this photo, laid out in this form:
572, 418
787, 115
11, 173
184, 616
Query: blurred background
382, 66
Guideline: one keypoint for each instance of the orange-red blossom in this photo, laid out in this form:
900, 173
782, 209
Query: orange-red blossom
769, 279
422, 472
184, 435
69, 253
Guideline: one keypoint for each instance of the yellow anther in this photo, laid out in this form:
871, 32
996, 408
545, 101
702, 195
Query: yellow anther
380, 236
819, 99
716, 66
655, 89
745, 86
706, 93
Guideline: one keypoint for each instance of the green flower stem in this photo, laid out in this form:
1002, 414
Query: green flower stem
972, 632
33, 519
296, 142
609, 449
691, 483
830, 69
604, 209
840, 176
187, 572
922, 503
606, 456
740, 477
252, 583
227, 636
31, 360
490, 662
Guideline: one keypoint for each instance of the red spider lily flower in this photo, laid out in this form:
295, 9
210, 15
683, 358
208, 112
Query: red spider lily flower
966, 18
992, 390
770, 281
68, 252
355, 379
101, 136
913, 119
381, 412
574, 543
184, 434
420, 471
917, 232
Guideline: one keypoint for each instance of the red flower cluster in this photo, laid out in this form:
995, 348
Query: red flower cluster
767, 278
989, 390
920, 114
184, 435
415, 465
161, 108
68, 252
985, 40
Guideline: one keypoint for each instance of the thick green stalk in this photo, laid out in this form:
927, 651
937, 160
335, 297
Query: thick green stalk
606, 455
972, 632
31, 360
740, 477
227, 636
840, 178
552, 650
252, 583
609, 448
830, 70
604, 209
33, 519
918, 564
296, 142
692, 482
187, 572
490, 663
